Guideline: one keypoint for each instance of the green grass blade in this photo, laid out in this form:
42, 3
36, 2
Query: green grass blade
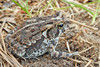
22, 7
19, 5
23, 3
90, 3
96, 13
80, 6
44, 7
74, 6
26, 5
64, 7
27, 8
51, 5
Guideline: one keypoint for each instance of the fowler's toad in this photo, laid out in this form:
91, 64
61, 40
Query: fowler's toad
38, 36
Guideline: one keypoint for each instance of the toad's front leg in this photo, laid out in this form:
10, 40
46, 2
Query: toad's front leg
58, 54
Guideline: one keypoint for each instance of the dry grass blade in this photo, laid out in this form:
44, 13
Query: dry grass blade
83, 25
1, 36
75, 62
5, 57
84, 58
86, 41
99, 55
10, 59
86, 49
81, 4
16, 63
78, 61
67, 44
88, 63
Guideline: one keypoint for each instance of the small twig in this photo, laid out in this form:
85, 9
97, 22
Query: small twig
94, 55
11, 25
78, 61
7, 30
67, 44
85, 58
75, 62
87, 49
86, 41
88, 64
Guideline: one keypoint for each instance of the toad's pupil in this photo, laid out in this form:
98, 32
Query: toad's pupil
61, 25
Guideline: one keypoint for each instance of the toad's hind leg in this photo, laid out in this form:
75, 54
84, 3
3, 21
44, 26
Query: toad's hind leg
58, 54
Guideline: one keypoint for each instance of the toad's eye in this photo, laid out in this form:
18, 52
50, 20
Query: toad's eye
60, 25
